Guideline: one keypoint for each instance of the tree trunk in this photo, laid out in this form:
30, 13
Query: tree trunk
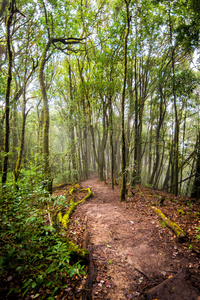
111, 142
72, 134
8, 87
196, 185
103, 145
160, 122
123, 149
47, 173
175, 166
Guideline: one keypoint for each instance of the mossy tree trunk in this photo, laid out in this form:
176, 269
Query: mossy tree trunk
11, 11
45, 57
45, 151
175, 160
123, 149
72, 133
24, 115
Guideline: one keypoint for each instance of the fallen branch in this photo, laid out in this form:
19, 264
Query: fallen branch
144, 274
181, 235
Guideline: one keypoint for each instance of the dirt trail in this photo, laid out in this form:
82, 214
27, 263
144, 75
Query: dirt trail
128, 253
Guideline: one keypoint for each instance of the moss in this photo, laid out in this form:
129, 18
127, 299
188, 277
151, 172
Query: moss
77, 253
76, 250
65, 219
59, 216
177, 230
181, 212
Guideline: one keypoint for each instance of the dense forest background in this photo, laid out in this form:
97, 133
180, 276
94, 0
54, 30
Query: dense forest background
107, 87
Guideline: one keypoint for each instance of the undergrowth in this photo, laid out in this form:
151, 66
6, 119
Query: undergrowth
35, 257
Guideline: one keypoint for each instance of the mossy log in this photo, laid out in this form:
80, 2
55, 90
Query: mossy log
77, 252
181, 235
65, 219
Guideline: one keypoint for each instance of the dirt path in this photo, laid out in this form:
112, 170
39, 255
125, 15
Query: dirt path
129, 251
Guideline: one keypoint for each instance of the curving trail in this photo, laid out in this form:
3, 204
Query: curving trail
128, 253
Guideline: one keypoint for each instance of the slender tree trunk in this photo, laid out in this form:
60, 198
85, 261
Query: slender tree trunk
111, 142
175, 168
85, 155
72, 134
47, 174
150, 144
21, 146
167, 177
196, 185
24, 115
123, 149
14, 136
103, 145
8, 87
159, 172
134, 178
183, 150
160, 122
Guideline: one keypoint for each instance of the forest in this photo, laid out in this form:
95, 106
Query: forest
106, 88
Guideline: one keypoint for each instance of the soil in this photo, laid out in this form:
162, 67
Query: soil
132, 254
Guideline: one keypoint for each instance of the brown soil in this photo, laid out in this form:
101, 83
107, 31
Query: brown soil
132, 251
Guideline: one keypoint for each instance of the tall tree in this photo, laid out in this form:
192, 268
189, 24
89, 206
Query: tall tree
66, 42
12, 10
123, 167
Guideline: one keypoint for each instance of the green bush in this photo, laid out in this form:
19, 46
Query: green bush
33, 253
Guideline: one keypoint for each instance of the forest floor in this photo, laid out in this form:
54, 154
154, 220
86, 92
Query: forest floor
131, 250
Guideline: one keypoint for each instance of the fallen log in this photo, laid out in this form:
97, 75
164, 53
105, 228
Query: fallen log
181, 235
65, 219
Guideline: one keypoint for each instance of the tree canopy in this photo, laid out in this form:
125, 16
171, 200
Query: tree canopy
107, 87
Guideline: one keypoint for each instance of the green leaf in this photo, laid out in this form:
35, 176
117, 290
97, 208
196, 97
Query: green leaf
34, 284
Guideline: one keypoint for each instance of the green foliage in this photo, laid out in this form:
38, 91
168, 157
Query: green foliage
190, 248
33, 253
198, 236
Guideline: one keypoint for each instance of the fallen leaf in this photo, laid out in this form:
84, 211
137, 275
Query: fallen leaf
98, 278
9, 278
108, 284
